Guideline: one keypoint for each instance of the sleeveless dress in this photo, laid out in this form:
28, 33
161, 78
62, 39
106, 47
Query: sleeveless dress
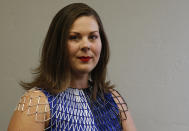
74, 110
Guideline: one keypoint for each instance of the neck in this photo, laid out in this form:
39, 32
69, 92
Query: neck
79, 81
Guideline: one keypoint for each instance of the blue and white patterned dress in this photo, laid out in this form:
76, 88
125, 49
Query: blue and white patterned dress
73, 110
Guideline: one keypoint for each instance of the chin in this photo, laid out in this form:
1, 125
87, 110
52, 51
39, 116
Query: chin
85, 70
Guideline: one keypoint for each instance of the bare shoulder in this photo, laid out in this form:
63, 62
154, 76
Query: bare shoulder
126, 118
31, 113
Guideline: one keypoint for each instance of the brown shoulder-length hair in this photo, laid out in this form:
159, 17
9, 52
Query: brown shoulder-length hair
53, 73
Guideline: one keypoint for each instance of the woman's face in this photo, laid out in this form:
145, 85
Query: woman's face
84, 45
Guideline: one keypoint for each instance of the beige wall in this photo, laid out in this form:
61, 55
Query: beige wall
149, 55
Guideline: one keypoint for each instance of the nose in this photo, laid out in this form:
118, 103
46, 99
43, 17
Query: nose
85, 44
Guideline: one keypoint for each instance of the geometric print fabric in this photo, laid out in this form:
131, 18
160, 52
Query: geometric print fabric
74, 110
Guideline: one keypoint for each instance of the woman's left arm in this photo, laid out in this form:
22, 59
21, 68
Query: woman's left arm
126, 118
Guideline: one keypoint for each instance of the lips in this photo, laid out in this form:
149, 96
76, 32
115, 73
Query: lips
85, 58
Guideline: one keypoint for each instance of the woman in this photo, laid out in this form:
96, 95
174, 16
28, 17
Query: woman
69, 91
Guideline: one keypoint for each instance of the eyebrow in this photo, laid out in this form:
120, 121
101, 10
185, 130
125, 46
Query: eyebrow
79, 33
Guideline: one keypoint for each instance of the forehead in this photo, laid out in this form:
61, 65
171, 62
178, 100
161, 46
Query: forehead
84, 23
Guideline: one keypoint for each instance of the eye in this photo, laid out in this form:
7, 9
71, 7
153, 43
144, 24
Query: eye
93, 37
73, 37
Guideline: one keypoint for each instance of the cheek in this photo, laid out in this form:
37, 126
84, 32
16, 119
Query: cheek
99, 48
71, 49
98, 54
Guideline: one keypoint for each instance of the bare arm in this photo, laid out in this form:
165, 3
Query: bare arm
126, 118
31, 113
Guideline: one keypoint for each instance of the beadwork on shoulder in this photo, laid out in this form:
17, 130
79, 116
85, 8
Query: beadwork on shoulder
123, 108
34, 103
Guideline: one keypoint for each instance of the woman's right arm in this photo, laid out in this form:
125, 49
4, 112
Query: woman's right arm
31, 113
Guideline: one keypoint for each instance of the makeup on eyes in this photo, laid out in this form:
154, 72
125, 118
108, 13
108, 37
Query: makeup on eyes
93, 36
